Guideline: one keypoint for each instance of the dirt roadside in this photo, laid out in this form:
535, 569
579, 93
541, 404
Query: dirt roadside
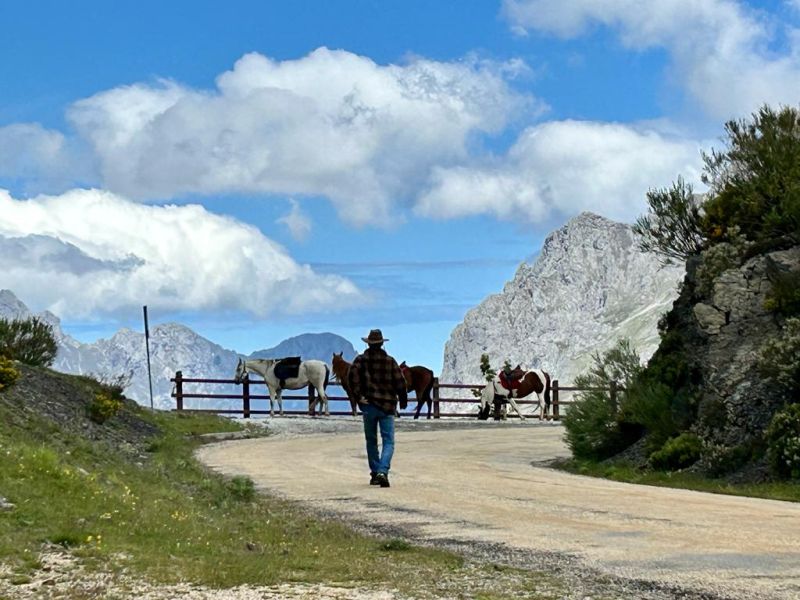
481, 486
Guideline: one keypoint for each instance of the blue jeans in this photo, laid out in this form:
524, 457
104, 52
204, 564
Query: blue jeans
375, 418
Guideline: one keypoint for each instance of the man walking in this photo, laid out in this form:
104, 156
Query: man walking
376, 380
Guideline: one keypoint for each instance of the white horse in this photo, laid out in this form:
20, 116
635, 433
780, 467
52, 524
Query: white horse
533, 381
311, 373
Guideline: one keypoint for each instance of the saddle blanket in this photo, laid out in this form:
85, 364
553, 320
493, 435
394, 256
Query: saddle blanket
287, 368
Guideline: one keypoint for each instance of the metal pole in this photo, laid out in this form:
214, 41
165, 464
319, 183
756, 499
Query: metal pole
147, 345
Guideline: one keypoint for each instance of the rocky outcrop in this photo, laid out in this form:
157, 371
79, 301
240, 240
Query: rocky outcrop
589, 286
730, 327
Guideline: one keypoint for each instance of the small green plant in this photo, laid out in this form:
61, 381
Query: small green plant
777, 358
8, 374
783, 442
30, 341
677, 453
103, 406
487, 371
241, 488
784, 297
396, 545
718, 460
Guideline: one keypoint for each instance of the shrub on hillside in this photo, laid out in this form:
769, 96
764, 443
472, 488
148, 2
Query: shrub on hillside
30, 341
777, 358
8, 374
753, 183
783, 442
672, 228
677, 453
784, 297
592, 424
650, 404
103, 406
241, 488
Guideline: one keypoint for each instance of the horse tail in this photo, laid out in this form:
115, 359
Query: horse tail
546, 389
426, 393
327, 378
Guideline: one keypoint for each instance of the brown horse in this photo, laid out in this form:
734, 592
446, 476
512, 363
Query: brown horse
340, 370
420, 380
531, 382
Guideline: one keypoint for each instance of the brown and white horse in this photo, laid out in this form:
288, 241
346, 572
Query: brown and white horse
534, 381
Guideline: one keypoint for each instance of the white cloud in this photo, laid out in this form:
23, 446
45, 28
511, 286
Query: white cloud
43, 158
727, 56
563, 168
297, 222
331, 123
89, 252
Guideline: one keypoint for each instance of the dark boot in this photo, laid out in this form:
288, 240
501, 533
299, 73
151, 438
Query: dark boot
373, 479
382, 479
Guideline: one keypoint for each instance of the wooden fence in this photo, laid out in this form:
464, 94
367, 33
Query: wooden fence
247, 396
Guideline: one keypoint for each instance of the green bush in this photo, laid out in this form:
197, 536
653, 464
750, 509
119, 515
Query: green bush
753, 183
103, 406
673, 226
241, 488
718, 460
677, 453
30, 341
784, 297
649, 404
777, 358
592, 424
783, 442
8, 374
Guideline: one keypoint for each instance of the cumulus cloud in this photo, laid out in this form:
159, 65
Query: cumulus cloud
564, 167
89, 252
43, 158
731, 59
297, 222
332, 123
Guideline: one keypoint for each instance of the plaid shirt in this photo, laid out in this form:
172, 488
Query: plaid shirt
375, 378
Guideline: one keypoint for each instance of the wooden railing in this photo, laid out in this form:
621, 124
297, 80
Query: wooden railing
247, 396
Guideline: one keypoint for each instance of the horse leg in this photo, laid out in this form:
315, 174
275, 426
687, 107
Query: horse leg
271, 393
515, 407
323, 398
280, 401
420, 402
312, 401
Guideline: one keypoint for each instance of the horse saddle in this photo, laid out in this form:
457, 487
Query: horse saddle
511, 379
287, 368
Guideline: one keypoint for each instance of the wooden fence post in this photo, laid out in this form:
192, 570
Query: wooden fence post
246, 397
178, 390
554, 389
435, 397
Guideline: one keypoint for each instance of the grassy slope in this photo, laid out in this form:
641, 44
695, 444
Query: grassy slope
157, 513
786, 490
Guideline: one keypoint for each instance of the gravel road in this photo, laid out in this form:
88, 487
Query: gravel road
485, 485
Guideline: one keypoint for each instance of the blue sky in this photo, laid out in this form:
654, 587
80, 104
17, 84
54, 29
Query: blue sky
257, 170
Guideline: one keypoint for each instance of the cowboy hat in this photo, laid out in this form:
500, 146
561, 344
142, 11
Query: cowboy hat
375, 337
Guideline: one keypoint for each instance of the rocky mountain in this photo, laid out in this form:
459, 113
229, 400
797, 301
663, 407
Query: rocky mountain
173, 347
589, 286
318, 346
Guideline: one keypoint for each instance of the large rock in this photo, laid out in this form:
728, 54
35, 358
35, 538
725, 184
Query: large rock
727, 353
589, 287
